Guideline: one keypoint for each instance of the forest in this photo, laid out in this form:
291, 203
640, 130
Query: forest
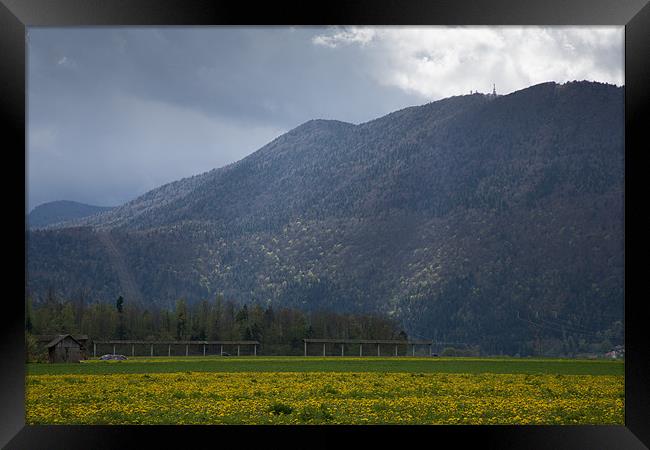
280, 331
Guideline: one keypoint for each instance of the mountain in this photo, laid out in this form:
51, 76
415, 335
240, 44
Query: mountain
496, 221
61, 211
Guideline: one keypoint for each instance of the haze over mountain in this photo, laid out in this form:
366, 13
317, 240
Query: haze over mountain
496, 221
60, 211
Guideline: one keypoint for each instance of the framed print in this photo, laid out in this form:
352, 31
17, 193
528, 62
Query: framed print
295, 221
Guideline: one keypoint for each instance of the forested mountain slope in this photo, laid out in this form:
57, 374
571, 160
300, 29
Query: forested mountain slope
61, 211
489, 220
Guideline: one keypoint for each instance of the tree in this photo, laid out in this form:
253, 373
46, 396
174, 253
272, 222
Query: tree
252, 332
181, 319
33, 353
216, 318
119, 305
229, 331
66, 319
167, 325
269, 316
202, 321
242, 315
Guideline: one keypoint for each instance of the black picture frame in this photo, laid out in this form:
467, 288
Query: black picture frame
16, 15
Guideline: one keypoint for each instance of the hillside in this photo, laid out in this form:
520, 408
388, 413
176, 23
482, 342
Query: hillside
61, 211
495, 221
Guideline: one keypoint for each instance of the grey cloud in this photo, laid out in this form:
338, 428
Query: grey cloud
114, 112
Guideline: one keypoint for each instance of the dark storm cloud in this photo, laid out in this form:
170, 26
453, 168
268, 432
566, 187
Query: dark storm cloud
115, 112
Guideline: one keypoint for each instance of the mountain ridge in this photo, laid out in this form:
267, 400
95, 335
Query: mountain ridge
61, 211
434, 214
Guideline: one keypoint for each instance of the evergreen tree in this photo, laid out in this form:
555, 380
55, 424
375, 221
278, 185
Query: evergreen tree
242, 315
119, 306
181, 319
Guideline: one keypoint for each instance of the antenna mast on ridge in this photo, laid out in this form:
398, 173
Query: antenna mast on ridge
494, 89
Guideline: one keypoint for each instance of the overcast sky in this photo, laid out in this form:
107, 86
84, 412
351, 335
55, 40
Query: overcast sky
115, 112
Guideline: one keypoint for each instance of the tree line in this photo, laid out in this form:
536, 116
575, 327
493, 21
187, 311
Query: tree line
279, 329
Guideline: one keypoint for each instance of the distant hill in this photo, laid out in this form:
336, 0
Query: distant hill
496, 221
60, 211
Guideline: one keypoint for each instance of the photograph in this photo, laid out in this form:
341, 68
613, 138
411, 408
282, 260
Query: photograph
325, 225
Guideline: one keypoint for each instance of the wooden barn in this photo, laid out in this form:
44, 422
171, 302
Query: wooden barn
63, 348
43, 341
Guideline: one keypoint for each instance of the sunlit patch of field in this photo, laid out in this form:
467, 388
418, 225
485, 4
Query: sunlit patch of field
308, 397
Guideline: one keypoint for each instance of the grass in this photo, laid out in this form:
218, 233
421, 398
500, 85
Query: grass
334, 364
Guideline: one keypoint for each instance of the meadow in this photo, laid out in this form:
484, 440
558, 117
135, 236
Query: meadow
329, 390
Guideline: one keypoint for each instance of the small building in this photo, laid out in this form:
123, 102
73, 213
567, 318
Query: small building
43, 340
64, 349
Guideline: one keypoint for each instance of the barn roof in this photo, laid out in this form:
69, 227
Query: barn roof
59, 338
46, 338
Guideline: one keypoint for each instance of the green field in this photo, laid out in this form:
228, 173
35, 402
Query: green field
326, 390
334, 364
